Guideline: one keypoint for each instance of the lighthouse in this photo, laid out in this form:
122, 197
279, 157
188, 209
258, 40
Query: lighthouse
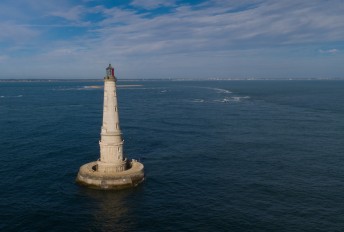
112, 170
111, 143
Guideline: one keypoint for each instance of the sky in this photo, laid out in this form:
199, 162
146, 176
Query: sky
72, 39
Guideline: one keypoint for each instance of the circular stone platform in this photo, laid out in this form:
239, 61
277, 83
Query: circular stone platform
88, 176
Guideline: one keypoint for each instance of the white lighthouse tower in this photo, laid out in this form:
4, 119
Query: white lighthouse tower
112, 170
111, 143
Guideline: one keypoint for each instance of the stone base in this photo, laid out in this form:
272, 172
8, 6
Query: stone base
90, 177
111, 168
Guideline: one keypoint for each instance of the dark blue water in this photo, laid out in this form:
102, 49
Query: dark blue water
219, 156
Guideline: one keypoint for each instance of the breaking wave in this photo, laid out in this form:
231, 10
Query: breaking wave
217, 90
231, 99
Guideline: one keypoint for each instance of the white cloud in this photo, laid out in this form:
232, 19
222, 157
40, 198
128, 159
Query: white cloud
219, 27
72, 14
15, 33
329, 51
152, 4
215, 32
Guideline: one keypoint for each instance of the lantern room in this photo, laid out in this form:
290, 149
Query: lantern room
110, 71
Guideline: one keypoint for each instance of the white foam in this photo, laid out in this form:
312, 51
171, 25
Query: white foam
197, 100
10, 96
78, 88
65, 89
222, 90
92, 87
218, 90
232, 99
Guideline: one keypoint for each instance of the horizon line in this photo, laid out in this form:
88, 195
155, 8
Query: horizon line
168, 79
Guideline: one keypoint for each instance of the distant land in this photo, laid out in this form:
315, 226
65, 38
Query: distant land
168, 79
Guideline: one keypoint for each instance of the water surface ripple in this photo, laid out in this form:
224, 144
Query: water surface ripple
219, 156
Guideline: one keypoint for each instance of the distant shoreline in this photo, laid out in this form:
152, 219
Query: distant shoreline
175, 79
119, 86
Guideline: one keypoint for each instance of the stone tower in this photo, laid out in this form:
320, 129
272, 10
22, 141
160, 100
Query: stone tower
111, 143
112, 170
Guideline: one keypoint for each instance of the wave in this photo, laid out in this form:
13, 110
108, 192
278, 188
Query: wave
231, 99
221, 90
65, 89
11, 96
218, 90
90, 87
97, 87
222, 100
197, 100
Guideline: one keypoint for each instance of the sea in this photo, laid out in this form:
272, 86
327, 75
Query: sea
240, 155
